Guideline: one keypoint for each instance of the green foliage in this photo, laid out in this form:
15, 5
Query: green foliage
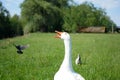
16, 26
100, 57
9, 27
50, 15
4, 22
29, 28
44, 14
85, 15
59, 3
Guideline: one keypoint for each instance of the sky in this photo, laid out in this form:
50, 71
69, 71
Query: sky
112, 7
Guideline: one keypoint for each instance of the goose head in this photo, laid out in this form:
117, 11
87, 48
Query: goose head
62, 35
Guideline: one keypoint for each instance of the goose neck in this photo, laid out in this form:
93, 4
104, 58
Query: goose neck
67, 58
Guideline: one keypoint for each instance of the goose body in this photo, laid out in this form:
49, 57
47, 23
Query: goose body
66, 71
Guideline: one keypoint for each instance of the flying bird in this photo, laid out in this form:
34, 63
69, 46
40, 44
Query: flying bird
66, 71
20, 48
78, 60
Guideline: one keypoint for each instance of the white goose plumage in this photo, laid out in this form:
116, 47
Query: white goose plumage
66, 71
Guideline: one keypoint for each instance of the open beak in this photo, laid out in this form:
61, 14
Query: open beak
58, 34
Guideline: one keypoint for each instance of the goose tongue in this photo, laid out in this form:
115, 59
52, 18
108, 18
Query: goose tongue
58, 35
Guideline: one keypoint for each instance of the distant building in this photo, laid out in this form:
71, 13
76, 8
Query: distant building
92, 29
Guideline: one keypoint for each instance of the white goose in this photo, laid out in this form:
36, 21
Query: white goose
66, 71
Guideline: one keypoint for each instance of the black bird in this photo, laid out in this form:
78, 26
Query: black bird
20, 48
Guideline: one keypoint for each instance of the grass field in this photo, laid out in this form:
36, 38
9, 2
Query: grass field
100, 55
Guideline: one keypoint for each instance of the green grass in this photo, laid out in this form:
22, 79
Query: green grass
100, 56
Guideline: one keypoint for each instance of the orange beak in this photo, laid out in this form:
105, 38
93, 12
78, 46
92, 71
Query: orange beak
58, 34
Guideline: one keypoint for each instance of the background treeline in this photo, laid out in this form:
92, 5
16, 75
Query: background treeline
51, 15
9, 26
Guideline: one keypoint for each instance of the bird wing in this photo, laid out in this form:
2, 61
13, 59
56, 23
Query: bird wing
22, 47
17, 46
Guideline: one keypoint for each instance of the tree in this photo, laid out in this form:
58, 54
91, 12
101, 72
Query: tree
16, 26
9, 27
4, 22
42, 15
85, 15
50, 15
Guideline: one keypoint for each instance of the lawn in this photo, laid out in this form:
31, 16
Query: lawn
100, 55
